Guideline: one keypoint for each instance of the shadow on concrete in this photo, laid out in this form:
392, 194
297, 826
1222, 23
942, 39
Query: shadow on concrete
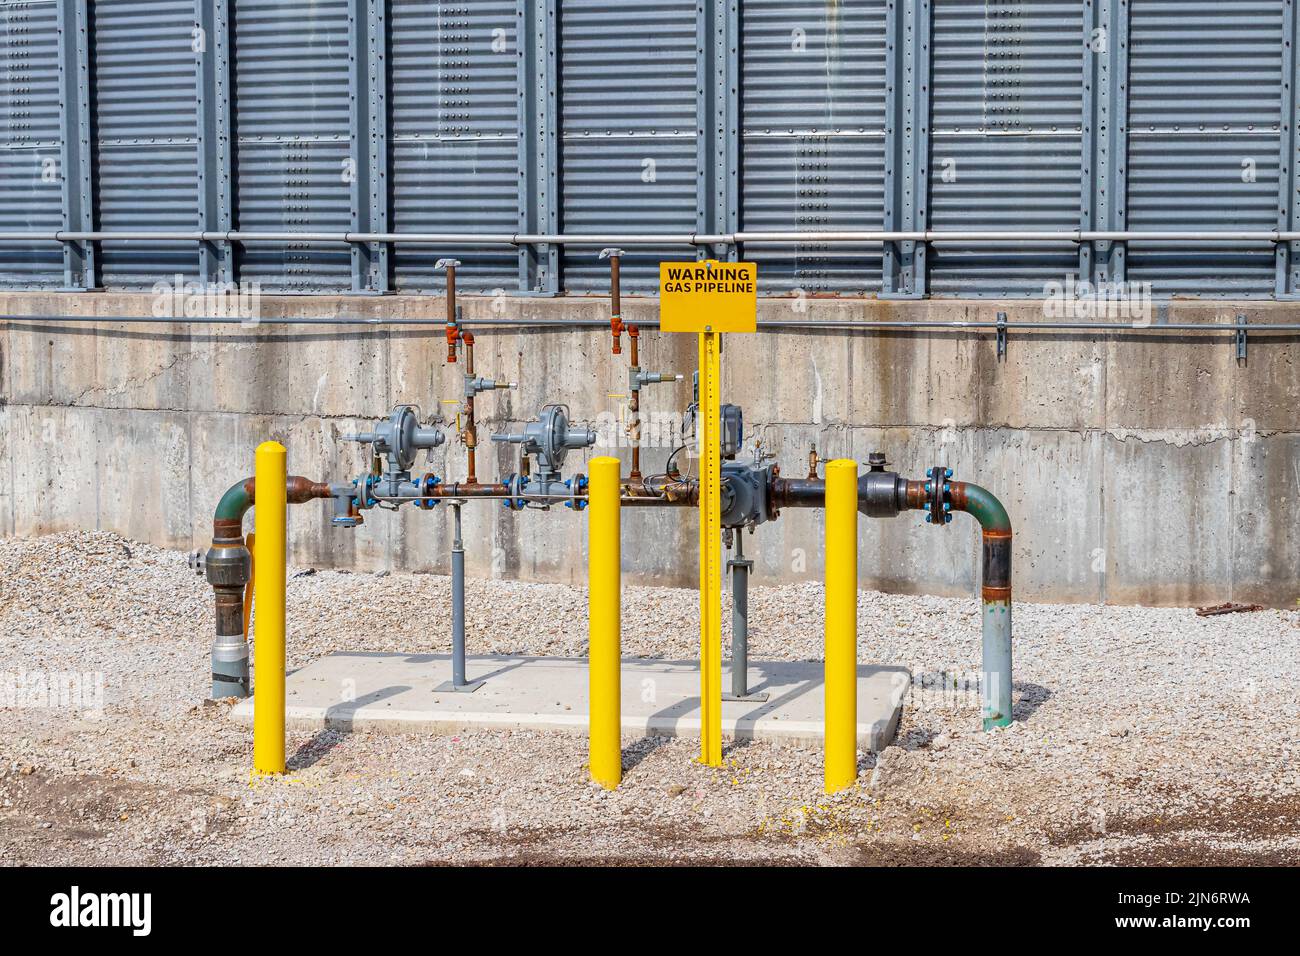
804, 675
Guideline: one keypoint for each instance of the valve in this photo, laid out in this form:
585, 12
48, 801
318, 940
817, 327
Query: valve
549, 438
401, 437
475, 385
346, 513
731, 430
637, 379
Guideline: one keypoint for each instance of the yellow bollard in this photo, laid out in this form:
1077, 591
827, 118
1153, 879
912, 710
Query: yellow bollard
841, 624
605, 749
270, 506
710, 550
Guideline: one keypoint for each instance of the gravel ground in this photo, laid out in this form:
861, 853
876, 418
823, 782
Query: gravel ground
1142, 735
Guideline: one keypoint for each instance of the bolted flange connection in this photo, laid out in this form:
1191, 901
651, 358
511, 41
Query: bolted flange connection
938, 496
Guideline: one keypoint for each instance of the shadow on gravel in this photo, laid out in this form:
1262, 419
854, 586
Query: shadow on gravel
638, 751
1032, 696
338, 724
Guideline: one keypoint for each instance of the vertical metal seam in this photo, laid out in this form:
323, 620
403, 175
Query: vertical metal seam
921, 40
377, 107
1287, 282
1104, 180
212, 115
80, 258
368, 140
717, 122
358, 165
537, 36
904, 265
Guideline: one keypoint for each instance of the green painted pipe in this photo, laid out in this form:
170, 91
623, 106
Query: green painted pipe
234, 503
986, 509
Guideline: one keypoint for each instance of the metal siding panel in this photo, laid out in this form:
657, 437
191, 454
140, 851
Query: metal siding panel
812, 154
454, 137
1006, 140
1205, 95
30, 190
146, 137
292, 121
627, 107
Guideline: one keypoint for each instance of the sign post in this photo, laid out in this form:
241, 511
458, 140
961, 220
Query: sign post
709, 298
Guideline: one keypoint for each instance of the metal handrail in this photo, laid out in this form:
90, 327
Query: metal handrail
661, 239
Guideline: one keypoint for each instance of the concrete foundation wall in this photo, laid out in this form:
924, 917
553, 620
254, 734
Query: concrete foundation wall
1137, 467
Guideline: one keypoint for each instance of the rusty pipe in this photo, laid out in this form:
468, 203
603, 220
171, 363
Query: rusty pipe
615, 303
882, 494
453, 326
634, 403
470, 432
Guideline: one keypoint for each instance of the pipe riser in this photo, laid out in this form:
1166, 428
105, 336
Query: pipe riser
995, 700
229, 666
458, 618
739, 631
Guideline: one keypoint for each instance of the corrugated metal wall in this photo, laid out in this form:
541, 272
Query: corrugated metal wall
1013, 138
628, 128
146, 139
30, 196
291, 123
813, 138
1006, 140
454, 135
1205, 112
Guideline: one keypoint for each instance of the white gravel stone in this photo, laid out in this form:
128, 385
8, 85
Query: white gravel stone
1141, 734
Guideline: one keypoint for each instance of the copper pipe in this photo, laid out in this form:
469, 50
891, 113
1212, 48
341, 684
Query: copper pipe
453, 329
469, 489
634, 337
470, 433
615, 305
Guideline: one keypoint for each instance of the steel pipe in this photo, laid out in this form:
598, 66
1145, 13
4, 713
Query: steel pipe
227, 567
662, 239
847, 325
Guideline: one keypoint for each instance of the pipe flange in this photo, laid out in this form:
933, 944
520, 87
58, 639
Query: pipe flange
426, 485
577, 486
938, 493
515, 486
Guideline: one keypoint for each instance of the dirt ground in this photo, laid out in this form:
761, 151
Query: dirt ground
1142, 736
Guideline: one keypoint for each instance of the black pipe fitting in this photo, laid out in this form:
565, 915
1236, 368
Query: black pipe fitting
881, 494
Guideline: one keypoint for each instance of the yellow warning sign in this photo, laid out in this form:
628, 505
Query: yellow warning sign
708, 296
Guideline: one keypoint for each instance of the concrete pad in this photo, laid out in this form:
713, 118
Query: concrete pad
395, 693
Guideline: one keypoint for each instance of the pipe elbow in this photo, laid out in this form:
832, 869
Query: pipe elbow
983, 506
228, 519
995, 524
